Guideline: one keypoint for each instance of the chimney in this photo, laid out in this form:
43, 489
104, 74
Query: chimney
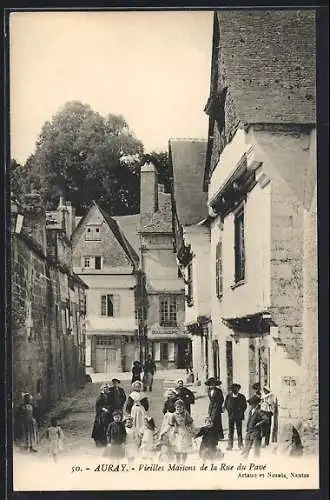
70, 219
148, 190
35, 218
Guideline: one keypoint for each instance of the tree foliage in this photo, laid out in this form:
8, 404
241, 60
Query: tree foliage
84, 156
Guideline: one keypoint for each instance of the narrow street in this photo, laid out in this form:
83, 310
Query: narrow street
76, 414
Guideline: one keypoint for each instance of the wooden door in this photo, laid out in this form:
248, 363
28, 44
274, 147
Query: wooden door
106, 360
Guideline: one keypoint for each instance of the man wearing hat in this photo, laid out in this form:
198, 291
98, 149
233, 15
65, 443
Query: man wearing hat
215, 405
235, 405
116, 397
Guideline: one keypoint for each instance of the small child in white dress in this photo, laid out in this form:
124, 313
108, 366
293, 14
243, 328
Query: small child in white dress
55, 438
149, 439
132, 441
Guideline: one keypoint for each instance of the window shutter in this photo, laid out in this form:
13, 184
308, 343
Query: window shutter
116, 306
103, 305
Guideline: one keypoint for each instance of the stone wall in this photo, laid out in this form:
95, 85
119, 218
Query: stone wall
47, 357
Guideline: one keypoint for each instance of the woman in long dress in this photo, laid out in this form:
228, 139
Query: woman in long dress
102, 419
27, 416
137, 406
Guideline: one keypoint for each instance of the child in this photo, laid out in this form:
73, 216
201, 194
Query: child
182, 438
116, 436
208, 446
253, 427
149, 436
132, 441
55, 438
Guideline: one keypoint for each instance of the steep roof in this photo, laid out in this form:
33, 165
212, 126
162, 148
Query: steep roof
130, 227
269, 59
116, 230
188, 161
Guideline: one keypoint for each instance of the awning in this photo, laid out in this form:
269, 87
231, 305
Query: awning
252, 324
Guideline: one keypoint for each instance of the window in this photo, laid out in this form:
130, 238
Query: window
93, 233
218, 269
110, 305
93, 262
239, 246
163, 351
189, 285
98, 262
168, 311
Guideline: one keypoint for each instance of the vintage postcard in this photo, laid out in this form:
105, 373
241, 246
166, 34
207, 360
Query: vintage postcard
164, 295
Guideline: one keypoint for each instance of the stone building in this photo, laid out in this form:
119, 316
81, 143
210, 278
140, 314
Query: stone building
261, 181
192, 246
161, 310
47, 305
106, 261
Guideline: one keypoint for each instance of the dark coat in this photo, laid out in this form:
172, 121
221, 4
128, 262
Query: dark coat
235, 407
169, 405
136, 373
116, 398
215, 410
254, 423
209, 437
101, 402
100, 426
130, 402
187, 397
149, 367
116, 433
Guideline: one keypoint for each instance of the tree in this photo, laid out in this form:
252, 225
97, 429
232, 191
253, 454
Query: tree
19, 178
84, 156
162, 164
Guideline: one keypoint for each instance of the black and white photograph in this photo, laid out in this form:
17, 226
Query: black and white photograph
163, 249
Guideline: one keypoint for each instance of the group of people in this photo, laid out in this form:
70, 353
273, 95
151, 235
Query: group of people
258, 426
124, 426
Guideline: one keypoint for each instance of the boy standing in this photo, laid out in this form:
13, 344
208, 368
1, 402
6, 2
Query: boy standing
253, 427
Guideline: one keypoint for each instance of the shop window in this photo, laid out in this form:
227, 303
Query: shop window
168, 310
239, 246
164, 352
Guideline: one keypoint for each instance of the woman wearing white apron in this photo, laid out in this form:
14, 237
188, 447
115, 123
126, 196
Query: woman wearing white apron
137, 406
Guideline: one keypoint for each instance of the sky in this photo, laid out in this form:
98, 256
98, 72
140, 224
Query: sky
151, 67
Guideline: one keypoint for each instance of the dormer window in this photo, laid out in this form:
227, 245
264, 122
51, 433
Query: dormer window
93, 233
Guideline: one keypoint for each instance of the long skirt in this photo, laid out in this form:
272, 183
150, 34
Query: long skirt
30, 433
114, 451
99, 430
138, 415
148, 379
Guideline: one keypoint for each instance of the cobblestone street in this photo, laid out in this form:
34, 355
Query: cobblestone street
76, 414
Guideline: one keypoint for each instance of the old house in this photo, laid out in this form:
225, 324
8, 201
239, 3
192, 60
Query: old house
261, 181
106, 261
47, 306
160, 310
192, 246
